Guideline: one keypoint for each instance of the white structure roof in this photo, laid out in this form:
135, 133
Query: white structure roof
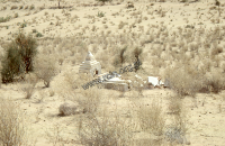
90, 65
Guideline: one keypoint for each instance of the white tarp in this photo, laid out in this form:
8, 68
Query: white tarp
154, 81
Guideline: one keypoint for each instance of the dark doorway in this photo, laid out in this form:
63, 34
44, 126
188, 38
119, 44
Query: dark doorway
96, 72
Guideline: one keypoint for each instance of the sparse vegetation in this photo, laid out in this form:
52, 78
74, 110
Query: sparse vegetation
12, 129
31, 7
4, 19
45, 68
16, 15
38, 34
24, 24
151, 118
101, 14
167, 59
13, 8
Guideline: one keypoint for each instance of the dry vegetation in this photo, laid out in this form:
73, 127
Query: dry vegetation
12, 129
180, 41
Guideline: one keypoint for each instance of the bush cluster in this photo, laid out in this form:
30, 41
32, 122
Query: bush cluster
18, 58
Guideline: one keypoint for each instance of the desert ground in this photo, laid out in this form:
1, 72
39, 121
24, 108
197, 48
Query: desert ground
183, 41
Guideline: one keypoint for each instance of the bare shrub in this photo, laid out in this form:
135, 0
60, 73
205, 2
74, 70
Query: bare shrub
31, 7
104, 131
11, 124
29, 86
216, 50
175, 104
121, 24
177, 131
130, 5
26, 7
69, 108
184, 80
21, 7
45, 68
215, 82
151, 118
90, 100
13, 7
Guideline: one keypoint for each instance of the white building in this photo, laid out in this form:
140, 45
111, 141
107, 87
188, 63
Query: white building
90, 65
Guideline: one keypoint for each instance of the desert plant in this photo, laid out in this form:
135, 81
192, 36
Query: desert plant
29, 86
27, 47
21, 7
13, 7
26, 7
4, 8
16, 15
89, 100
45, 68
39, 34
121, 58
100, 14
175, 104
11, 64
0, 80
102, 132
31, 7
24, 24
19, 57
103, 1
11, 124
110, 131
137, 53
121, 24
178, 129
215, 82
151, 118
5, 19
217, 3
34, 31
130, 5
184, 80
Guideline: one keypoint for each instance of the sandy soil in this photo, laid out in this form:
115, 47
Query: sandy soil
205, 113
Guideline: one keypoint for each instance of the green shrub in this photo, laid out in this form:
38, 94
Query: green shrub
31, 7
5, 19
39, 34
27, 49
11, 64
24, 24
19, 57
101, 14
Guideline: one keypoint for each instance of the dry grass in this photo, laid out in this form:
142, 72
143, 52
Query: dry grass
13, 8
11, 124
104, 131
184, 80
100, 128
151, 118
45, 68
29, 86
